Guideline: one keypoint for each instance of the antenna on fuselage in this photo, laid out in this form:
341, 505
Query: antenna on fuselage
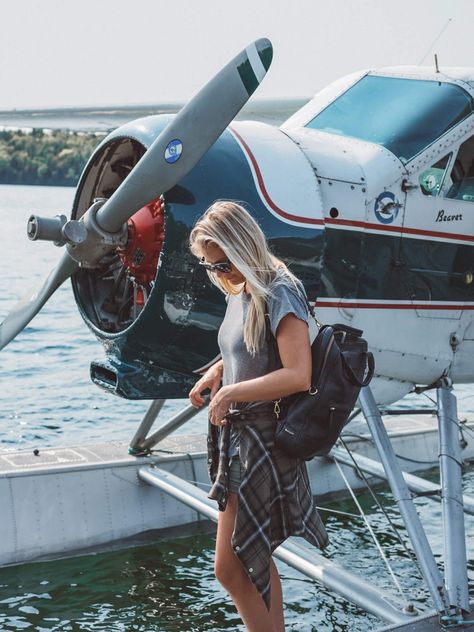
436, 63
434, 42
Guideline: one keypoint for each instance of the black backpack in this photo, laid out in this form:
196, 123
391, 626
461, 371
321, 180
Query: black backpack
313, 420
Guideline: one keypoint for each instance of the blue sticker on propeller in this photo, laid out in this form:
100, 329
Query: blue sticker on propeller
386, 207
173, 151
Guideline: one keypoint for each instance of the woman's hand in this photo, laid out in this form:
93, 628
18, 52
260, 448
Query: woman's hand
219, 406
211, 379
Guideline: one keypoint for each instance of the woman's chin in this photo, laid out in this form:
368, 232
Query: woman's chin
232, 278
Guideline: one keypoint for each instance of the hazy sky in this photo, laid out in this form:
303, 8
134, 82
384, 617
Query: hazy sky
64, 52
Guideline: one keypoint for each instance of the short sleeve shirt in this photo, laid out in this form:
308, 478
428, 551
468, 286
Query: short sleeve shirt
239, 364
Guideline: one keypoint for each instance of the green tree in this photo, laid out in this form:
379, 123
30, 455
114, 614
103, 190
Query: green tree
43, 157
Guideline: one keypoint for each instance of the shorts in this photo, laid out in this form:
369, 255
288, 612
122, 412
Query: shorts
235, 474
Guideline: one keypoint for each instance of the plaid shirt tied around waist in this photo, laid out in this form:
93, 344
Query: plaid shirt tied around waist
274, 499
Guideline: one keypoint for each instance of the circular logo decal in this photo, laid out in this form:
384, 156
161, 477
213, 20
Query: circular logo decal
386, 207
173, 151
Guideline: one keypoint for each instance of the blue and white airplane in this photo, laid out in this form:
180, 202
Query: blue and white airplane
367, 192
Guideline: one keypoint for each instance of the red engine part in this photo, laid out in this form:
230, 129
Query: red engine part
145, 240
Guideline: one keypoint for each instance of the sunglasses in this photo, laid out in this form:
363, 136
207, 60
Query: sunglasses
222, 266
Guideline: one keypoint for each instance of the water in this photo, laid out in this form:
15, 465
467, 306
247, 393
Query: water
168, 586
48, 400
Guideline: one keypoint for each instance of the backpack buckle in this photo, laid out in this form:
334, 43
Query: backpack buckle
276, 408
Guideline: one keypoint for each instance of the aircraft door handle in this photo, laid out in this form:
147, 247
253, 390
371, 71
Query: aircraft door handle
408, 185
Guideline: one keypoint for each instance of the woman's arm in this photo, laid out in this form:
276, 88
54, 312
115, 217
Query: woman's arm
295, 353
211, 379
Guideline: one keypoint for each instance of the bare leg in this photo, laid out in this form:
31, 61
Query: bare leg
234, 579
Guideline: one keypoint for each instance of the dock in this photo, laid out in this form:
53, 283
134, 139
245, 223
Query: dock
65, 486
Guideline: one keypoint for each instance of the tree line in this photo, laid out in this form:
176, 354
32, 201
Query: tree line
44, 157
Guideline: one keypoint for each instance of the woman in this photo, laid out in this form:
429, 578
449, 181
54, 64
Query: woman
263, 495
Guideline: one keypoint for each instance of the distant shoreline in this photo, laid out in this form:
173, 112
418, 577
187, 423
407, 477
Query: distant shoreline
106, 118
50, 147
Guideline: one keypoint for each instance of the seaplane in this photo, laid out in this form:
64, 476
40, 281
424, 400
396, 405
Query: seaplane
367, 193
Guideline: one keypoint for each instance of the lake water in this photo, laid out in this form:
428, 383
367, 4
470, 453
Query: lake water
45, 371
49, 400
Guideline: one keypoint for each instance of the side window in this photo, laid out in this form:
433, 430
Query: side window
431, 179
460, 185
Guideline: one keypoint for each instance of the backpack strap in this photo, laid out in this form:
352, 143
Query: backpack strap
274, 354
274, 357
313, 315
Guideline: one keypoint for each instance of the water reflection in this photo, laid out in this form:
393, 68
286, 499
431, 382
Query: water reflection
169, 585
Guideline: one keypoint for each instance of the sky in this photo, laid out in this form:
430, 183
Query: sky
57, 53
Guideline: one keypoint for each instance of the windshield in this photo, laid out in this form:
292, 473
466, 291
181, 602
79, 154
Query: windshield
403, 115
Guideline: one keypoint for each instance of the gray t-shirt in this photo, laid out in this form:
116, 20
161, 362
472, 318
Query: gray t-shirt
239, 364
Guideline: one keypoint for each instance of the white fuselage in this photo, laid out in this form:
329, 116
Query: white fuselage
417, 326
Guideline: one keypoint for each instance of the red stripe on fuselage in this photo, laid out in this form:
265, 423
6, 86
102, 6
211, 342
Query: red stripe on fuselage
340, 222
362, 305
268, 199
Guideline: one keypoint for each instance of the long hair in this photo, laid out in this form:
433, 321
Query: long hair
229, 226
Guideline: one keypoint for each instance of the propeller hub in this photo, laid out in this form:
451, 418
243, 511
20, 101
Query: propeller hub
89, 249
74, 232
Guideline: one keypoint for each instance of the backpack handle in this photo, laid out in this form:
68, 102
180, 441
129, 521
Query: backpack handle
370, 372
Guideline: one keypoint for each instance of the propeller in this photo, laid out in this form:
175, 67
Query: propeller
171, 156
30, 305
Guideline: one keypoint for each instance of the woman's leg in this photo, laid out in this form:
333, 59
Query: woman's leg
231, 574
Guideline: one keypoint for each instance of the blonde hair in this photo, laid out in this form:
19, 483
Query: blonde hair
229, 226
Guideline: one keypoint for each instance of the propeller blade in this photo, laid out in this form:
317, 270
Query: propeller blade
30, 305
189, 135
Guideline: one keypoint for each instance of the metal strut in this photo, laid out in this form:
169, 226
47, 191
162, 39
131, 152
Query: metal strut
145, 426
416, 484
404, 501
450, 462
141, 443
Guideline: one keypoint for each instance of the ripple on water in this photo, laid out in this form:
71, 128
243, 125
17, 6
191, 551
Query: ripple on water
170, 585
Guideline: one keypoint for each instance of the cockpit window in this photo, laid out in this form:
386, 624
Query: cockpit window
431, 179
403, 115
